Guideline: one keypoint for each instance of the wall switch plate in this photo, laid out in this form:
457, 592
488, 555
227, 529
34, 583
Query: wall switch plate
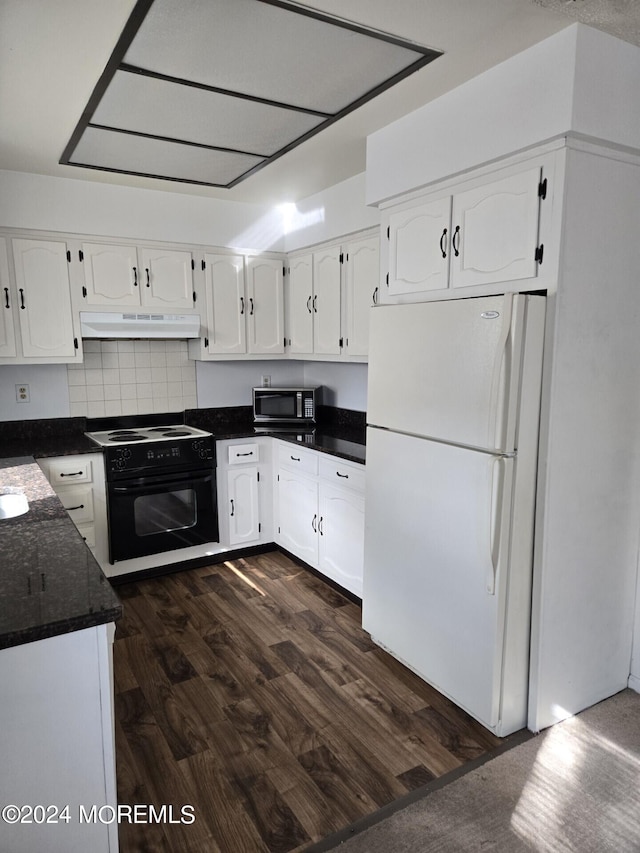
22, 394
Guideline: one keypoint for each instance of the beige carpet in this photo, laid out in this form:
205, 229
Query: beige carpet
575, 788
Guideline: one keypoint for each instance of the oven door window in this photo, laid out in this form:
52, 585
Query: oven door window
165, 512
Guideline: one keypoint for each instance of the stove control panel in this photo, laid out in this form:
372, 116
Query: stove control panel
159, 457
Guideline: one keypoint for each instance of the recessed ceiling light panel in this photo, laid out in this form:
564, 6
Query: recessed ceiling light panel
209, 91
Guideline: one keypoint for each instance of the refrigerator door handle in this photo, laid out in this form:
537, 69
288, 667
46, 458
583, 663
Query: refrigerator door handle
494, 420
499, 509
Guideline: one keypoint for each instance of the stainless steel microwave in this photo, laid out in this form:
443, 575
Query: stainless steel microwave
285, 406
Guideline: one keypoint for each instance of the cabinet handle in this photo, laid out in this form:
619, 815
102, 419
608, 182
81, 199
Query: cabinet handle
313, 523
148, 277
344, 476
320, 526
309, 304
233, 509
374, 297
73, 474
135, 276
22, 305
71, 508
249, 453
443, 243
296, 458
242, 305
315, 307
251, 306
456, 246
6, 298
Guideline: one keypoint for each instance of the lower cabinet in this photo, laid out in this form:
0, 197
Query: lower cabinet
244, 491
79, 482
319, 506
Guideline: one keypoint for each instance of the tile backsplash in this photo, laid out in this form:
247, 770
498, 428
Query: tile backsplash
131, 378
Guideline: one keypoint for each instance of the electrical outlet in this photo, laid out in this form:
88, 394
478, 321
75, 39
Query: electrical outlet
22, 394
266, 382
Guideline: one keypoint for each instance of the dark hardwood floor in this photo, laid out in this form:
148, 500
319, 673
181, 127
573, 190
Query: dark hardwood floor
248, 691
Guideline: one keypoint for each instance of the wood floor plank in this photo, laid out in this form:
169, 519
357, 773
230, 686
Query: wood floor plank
249, 690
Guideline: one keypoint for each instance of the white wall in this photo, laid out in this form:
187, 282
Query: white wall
579, 80
48, 389
336, 211
229, 383
345, 385
61, 204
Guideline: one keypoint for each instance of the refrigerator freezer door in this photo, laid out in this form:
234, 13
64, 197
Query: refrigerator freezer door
437, 539
449, 370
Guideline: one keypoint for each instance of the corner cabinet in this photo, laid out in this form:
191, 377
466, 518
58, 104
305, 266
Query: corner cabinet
319, 508
38, 324
485, 232
244, 299
328, 294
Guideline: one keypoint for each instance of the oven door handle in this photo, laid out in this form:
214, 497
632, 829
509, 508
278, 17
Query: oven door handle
147, 484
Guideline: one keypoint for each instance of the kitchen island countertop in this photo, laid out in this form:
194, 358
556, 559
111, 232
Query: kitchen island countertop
50, 583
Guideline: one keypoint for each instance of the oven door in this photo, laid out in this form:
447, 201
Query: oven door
152, 514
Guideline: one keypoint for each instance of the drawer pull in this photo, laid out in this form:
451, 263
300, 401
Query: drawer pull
344, 476
296, 458
71, 508
73, 474
248, 453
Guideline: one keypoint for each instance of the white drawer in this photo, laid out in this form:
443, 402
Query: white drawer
63, 472
78, 502
341, 473
240, 454
297, 459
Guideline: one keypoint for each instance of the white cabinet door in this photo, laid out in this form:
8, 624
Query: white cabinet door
226, 304
265, 319
111, 274
242, 491
326, 301
297, 510
44, 298
299, 305
495, 231
341, 529
419, 247
7, 327
362, 270
167, 280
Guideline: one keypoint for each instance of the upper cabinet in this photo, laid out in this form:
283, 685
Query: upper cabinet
124, 276
328, 295
38, 324
485, 233
244, 308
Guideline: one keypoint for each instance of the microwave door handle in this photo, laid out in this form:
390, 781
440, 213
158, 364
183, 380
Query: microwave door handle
298, 405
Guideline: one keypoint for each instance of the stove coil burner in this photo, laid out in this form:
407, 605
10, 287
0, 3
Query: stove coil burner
125, 436
176, 432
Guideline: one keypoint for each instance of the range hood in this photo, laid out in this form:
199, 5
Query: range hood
107, 324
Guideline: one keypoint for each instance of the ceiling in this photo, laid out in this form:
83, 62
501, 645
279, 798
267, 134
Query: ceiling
52, 54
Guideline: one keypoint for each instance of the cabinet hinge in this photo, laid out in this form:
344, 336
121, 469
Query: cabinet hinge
84, 291
193, 264
284, 271
341, 258
542, 189
194, 297
539, 253
388, 232
80, 255
75, 343
206, 343
278, 481
68, 256
285, 342
340, 343
387, 279
259, 528
278, 529
203, 264
258, 476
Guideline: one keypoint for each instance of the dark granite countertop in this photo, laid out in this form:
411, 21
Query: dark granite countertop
50, 583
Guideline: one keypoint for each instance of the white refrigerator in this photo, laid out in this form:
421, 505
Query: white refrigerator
452, 436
